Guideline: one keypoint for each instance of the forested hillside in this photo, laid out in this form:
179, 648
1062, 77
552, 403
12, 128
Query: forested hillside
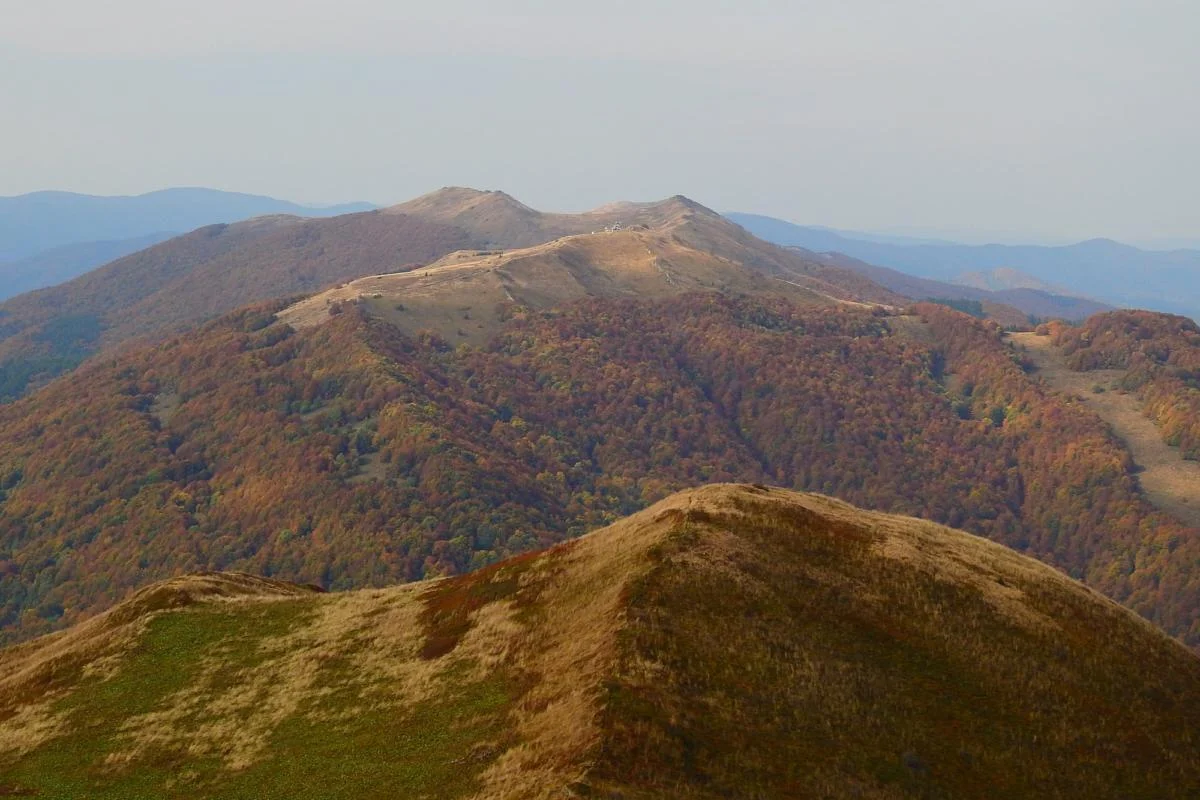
350, 454
1161, 356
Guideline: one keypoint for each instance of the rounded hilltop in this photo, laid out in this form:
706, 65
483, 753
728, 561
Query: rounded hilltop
732, 640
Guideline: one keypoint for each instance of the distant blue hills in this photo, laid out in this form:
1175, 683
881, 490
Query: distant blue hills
1115, 273
50, 237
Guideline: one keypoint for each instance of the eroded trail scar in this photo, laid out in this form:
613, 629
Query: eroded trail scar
1169, 481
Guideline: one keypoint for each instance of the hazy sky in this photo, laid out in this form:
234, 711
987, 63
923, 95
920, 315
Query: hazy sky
1047, 118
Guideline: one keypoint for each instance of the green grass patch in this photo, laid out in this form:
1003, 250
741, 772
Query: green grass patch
435, 749
350, 738
165, 660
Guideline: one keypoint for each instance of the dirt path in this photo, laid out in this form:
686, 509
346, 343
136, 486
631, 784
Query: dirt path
1170, 482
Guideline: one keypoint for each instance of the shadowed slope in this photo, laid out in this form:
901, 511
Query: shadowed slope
731, 641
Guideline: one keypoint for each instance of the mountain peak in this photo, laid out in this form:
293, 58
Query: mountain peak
675, 203
454, 200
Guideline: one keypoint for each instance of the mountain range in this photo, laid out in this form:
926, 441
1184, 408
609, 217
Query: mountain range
1100, 269
1012, 307
347, 450
49, 237
731, 641
218, 268
297, 507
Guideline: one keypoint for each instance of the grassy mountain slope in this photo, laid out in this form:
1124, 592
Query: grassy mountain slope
187, 280
1165, 474
207, 272
731, 641
467, 296
351, 454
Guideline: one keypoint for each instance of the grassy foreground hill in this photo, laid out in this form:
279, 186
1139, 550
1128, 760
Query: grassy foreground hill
730, 641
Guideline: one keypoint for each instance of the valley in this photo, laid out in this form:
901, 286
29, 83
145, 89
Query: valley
1169, 480
351, 453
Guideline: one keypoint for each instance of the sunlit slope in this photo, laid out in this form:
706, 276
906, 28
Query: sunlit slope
626, 250
731, 641
467, 297
182, 282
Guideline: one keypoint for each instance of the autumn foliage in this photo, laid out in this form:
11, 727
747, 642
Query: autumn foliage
352, 455
1161, 356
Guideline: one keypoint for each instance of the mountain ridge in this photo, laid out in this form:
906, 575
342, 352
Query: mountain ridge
1109, 271
790, 615
215, 269
351, 453
642, 250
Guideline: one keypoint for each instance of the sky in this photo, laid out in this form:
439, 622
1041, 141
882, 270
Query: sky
1046, 120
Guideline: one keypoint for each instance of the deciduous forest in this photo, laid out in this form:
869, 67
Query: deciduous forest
1161, 356
353, 455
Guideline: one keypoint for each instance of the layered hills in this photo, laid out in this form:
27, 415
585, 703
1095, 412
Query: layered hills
1112, 272
728, 641
353, 452
1011, 307
41, 222
1002, 278
61, 264
187, 280
670, 248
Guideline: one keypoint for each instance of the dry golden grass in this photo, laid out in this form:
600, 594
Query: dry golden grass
35, 674
569, 652
728, 641
665, 249
464, 297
